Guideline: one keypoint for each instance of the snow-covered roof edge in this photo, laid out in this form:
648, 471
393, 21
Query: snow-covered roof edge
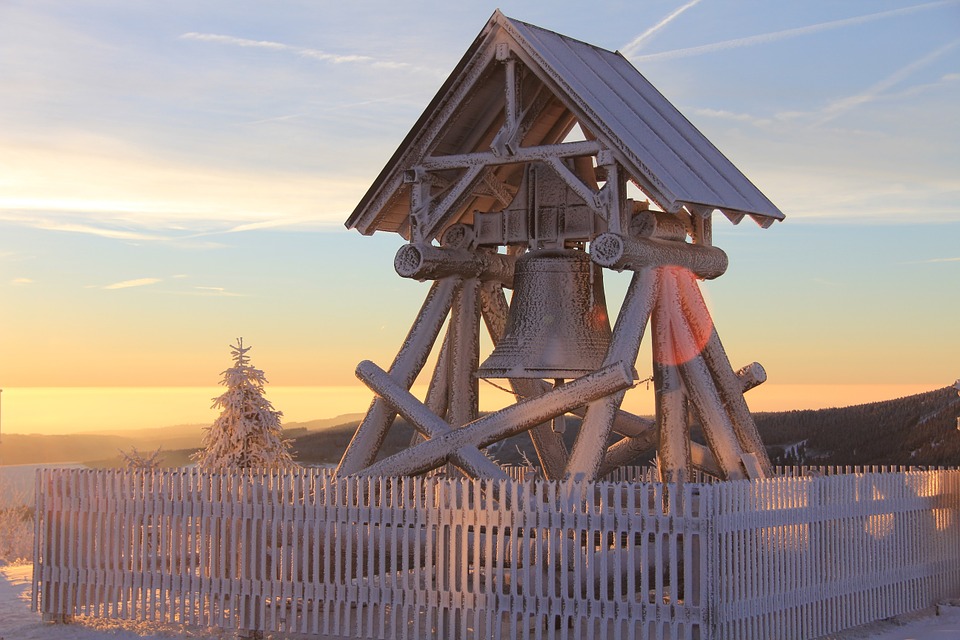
671, 159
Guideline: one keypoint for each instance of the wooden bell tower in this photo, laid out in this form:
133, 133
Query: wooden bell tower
516, 176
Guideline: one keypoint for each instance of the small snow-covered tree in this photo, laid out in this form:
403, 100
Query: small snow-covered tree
136, 460
247, 435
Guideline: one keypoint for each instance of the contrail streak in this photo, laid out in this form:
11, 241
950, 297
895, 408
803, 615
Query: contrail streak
842, 106
789, 33
633, 46
305, 52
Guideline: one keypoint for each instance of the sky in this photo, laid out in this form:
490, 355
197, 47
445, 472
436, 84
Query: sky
175, 175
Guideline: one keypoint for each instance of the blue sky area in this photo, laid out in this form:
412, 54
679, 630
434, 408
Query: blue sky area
174, 175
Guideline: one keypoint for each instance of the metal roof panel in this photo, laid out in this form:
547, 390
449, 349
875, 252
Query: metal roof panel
672, 161
611, 92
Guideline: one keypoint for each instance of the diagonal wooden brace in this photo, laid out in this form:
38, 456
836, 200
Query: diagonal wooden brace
502, 424
701, 388
366, 442
640, 434
468, 459
728, 384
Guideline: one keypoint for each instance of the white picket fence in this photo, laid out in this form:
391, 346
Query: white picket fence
789, 557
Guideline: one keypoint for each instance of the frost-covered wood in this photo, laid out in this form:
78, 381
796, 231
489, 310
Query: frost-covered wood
301, 551
493, 171
247, 434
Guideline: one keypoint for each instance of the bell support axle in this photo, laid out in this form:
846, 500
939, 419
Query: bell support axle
428, 262
618, 252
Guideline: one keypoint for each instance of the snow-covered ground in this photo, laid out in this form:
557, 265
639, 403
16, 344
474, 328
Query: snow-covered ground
17, 481
18, 622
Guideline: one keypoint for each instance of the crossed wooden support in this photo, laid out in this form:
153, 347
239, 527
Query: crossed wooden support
462, 446
691, 371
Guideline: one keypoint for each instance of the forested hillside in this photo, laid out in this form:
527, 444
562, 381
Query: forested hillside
915, 430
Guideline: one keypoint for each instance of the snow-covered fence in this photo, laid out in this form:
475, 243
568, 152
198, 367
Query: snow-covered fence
803, 557
435, 557
411, 557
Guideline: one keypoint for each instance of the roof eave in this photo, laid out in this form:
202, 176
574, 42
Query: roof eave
361, 218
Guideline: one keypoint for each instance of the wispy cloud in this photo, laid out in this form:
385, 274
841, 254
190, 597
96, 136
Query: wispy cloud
766, 38
127, 284
631, 48
936, 260
219, 292
342, 106
839, 107
303, 52
21, 281
277, 223
103, 232
88, 187
732, 116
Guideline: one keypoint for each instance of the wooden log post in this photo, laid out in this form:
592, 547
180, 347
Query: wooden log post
671, 404
463, 392
700, 386
367, 440
463, 352
640, 434
590, 445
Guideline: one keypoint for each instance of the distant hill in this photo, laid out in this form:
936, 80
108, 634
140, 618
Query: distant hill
102, 449
916, 430
36, 449
326, 423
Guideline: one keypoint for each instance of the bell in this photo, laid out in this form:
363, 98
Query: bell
557, 326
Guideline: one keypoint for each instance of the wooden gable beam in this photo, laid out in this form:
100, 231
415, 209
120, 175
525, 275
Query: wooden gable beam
428, 220
523, 155
425, 138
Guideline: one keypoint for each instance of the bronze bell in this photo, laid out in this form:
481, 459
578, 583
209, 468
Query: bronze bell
557, 327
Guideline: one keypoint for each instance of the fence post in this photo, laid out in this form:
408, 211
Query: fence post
709, 559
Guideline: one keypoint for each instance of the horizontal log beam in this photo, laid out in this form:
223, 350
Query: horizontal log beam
522, 155
615, 251
429, 262
752, 375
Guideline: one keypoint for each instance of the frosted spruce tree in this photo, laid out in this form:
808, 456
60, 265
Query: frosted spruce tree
247, 435
139, 461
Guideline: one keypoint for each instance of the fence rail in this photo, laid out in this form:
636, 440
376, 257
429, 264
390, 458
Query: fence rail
789, 557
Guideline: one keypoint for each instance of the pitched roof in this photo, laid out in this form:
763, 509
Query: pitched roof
571, 82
